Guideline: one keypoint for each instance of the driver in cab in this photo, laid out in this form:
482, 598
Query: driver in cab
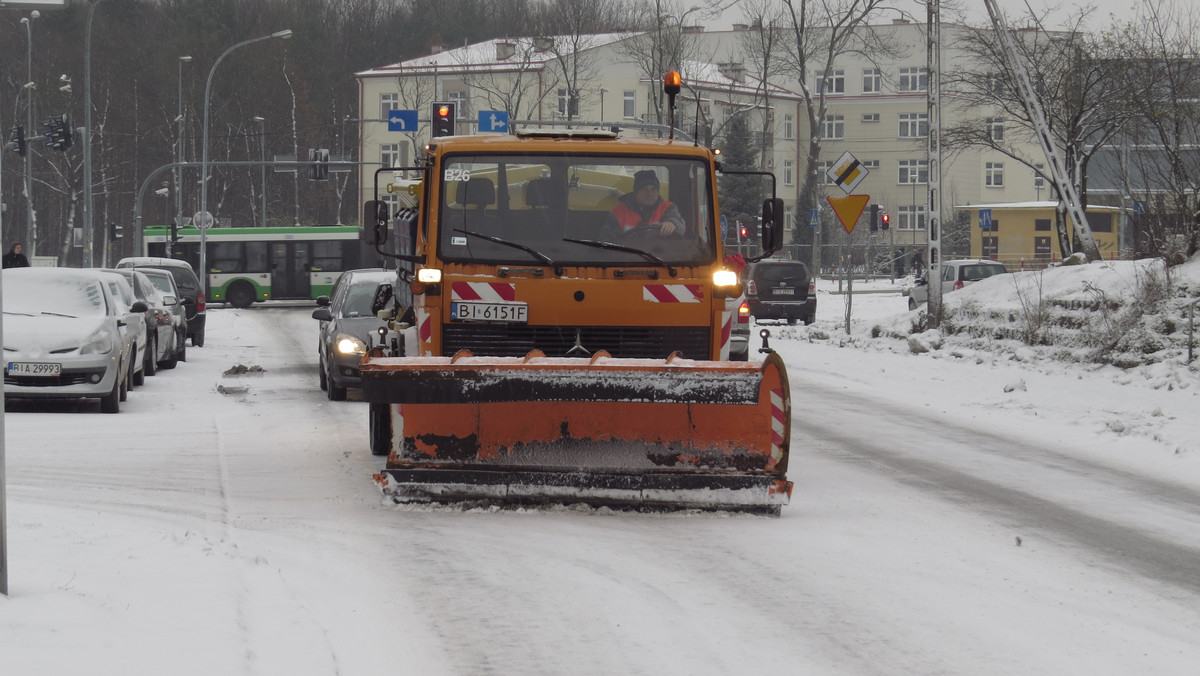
644, 208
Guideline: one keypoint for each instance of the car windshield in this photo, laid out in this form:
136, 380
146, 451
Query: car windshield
769, 273
162, 283
570, 210
61, 296
358, 300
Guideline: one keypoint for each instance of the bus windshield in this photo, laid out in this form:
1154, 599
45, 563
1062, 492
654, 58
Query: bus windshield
576, 210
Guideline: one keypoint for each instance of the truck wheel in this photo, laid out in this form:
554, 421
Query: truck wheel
380, 426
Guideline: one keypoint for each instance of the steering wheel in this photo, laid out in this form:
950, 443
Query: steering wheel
649, 231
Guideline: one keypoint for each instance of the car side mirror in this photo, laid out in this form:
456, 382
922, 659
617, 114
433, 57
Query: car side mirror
188, 301
139, 306
375, 222
323, 314
322, 301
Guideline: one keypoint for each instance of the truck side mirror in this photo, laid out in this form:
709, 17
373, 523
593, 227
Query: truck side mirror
375, 222
772, 225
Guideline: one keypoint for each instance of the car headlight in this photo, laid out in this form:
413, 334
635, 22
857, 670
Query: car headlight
347, 344
100, 342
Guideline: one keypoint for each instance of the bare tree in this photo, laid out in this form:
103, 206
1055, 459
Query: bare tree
1077, 87
1161, 81
513, 85
822, 32
664, 45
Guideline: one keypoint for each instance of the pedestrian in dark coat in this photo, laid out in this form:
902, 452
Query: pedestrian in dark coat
14, 258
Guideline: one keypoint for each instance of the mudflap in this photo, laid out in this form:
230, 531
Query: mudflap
627, 433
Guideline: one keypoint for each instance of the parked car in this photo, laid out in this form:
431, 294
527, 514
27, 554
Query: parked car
739, 334
955, 275
347, 328
64, 336
165, 283
160, 329
189, 289
134, 322
781, 289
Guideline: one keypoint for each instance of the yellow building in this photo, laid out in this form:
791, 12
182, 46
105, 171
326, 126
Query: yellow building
1021, 234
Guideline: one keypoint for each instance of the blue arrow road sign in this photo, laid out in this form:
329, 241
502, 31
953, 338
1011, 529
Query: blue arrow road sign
985, 219
493, 121
402, 120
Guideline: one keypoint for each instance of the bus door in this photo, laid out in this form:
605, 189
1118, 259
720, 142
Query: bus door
290, 262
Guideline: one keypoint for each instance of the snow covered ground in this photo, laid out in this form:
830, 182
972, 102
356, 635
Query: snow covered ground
981, 507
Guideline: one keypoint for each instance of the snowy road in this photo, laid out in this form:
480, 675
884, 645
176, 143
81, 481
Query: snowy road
228, 524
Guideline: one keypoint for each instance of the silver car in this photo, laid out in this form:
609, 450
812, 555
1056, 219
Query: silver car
134, 322
165, 283
347, 328
955, 275
65, 336
161, 334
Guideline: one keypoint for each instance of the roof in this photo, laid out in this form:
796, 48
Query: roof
529, 53
1043, 204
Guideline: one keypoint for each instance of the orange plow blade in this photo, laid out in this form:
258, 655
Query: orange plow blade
623, 432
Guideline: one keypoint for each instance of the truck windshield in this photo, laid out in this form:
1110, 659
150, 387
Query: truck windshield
526, 209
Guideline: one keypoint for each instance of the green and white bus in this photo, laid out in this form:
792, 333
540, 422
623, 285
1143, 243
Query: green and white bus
255, 264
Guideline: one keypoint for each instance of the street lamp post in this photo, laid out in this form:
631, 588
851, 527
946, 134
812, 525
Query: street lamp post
29, 131
262, 157
205, 217
178, 158
87, 136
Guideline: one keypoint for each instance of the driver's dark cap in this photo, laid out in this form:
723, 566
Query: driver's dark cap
644, 178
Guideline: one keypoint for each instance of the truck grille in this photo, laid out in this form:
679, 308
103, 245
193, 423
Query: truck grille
629, 342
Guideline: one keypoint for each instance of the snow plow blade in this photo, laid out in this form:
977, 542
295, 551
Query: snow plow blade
632, 433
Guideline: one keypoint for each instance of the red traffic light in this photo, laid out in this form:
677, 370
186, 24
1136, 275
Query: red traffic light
443, 111
886, 221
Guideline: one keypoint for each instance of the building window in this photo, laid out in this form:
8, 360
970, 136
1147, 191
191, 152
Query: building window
993, 174
913, 79
459, 98
871, 165
991, 247
391, 155
872, 81
388, 102
836, 83
870, 117
789, 127
788, 171
834, 127
629, 104
995, 127
823, 172
994, 84
914, 125
1039, 181
1099, 222
568, 103
910, 217
913, 171
1042, 224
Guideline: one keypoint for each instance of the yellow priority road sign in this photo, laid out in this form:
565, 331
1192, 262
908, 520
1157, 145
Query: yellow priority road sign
848, 209
847, 172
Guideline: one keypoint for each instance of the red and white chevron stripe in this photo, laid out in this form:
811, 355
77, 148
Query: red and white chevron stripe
778, 425
672, 293
485, 292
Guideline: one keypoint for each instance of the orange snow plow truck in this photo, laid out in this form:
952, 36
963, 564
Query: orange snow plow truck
559, 332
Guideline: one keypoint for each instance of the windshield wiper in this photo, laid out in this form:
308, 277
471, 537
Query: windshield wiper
516, 245
58, 314
600, 244
23, 314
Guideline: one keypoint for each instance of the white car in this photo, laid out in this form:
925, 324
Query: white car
134, 321
955, 275
65, 336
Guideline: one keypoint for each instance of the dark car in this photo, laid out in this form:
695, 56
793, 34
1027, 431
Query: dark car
165, 283
189, 288
781, 289
160, 324
347, 328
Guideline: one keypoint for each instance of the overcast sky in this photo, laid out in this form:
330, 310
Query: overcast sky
976, 13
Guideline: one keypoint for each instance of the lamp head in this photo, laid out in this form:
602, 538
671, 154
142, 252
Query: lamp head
282, 35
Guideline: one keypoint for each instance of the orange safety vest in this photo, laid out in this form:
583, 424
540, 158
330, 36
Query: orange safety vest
629, 218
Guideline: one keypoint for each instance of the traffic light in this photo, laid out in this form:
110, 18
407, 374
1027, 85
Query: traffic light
874, 222
743, 233
57, 132
117, 232
443, 119
18, 140
886, 221
318, 168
